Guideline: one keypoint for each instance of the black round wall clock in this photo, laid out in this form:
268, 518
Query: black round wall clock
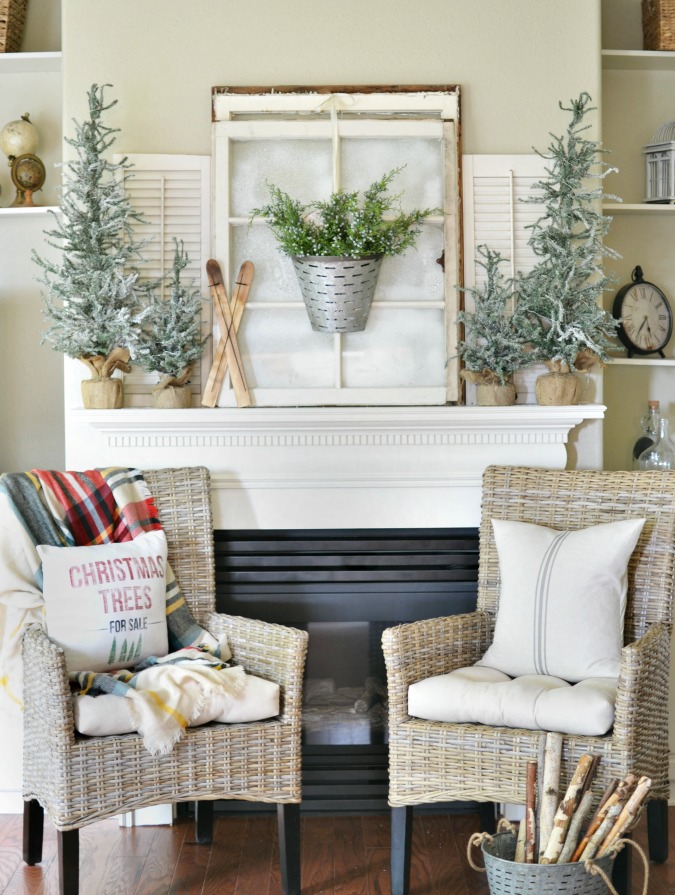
645, 315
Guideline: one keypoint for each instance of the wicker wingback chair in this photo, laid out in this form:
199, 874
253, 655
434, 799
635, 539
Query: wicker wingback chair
78, 780
439, 762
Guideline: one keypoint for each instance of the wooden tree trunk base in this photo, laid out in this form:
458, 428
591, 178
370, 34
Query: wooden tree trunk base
102, 394
557, 389
173, 396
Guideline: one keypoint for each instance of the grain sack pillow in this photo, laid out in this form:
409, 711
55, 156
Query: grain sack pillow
106, 604
562, 599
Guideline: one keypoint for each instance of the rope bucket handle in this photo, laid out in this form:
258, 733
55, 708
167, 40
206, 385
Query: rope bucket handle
594, 869
477, 839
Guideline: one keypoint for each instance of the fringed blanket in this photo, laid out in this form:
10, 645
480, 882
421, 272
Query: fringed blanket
96, 507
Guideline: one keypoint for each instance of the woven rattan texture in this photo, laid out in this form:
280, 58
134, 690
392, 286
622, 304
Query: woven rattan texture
434, 761
79, 780
658, 24
12, 17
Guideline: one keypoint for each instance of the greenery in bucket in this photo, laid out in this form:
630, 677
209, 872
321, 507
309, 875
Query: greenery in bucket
344, 225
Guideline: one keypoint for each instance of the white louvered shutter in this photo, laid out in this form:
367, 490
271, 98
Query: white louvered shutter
494, 215
173, 192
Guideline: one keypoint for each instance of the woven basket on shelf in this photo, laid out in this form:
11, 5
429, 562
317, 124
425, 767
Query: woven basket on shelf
658, 24
12, 17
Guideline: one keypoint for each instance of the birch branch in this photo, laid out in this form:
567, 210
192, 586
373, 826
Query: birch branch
615, 794
598, 837
520, 844
565, 811
579, 818
550, 796
530, 805
628, 815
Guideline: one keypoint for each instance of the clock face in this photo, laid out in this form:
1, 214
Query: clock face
646, 318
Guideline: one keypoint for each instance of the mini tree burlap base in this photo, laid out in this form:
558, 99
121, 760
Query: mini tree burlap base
560, 386
496, 395
172, 397
102, 394
337, 291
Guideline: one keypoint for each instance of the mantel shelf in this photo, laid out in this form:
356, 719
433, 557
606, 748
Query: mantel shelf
615, 208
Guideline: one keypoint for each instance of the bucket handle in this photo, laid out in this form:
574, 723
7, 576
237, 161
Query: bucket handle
504, 826
477, 839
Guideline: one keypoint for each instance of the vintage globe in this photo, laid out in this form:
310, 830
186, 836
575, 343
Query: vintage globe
19, 137
28, 173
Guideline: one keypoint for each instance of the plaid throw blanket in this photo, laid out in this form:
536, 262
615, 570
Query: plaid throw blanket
96, 507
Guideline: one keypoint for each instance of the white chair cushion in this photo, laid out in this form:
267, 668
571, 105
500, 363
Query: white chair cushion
482, 695
108, 715
562, 599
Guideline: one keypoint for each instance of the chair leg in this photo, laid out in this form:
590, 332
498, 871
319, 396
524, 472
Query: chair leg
622, 871
33, 828
401, 845
657, 830
288, 823
204, 822
487, 814
68, 845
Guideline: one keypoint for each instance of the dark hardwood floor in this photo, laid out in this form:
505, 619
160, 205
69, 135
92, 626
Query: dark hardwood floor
341, 855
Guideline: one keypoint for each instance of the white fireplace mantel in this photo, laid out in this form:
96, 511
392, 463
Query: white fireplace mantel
332, 467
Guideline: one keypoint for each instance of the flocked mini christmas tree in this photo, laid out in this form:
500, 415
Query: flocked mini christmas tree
493, 349
95, 303
560, 297
173, 340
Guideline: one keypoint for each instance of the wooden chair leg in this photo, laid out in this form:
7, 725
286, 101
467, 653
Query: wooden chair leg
401, 845
657, 830
288, 823
487, 815
204, 822
68, 845
33, 828
622, 871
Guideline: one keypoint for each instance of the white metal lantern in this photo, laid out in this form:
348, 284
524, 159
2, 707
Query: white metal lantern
660, 165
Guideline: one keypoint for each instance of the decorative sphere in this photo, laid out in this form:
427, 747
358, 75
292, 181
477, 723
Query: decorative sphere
19, 137
28, 173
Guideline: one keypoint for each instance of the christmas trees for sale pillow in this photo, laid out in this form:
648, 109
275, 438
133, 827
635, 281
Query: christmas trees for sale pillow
106, 604
562, 599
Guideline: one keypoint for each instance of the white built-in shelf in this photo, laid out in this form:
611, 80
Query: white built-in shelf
638, 60
25, 212
637, 208
641, 362
23, 63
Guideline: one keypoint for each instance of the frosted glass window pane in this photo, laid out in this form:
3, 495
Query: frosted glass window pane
421, 181
302, 168
274, 278
287, 351
397, 349
416, 274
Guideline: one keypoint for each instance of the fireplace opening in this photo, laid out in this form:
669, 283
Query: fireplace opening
345, 587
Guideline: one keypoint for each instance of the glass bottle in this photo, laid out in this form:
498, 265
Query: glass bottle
661, 454
650, 429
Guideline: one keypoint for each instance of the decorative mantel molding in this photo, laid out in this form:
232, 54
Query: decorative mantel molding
332, 467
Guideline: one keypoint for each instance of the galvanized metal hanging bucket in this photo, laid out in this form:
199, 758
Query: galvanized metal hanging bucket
337, 291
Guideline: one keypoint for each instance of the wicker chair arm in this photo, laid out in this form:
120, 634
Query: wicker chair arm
425, 648
641, 712
274, 652
48, 715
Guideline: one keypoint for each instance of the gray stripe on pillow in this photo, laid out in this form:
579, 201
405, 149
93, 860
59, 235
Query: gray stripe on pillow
541, 602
